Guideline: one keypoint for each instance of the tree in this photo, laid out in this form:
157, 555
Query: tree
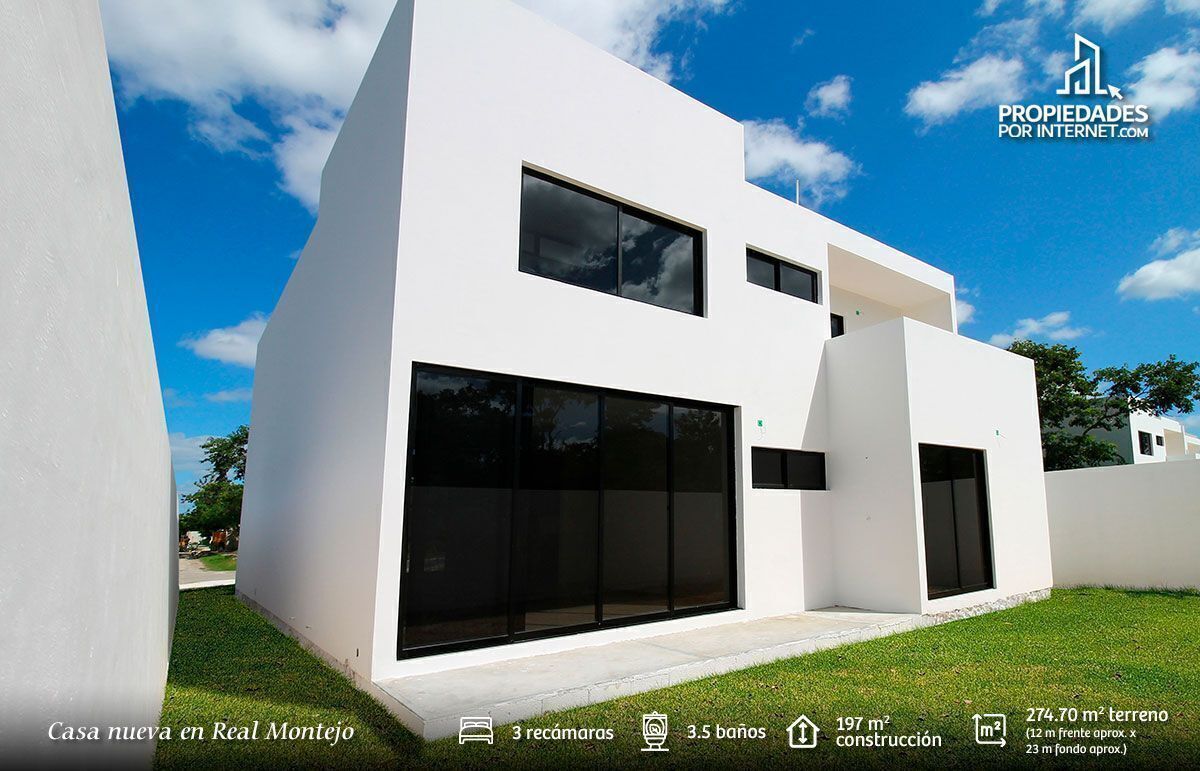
216, 503
1073, 404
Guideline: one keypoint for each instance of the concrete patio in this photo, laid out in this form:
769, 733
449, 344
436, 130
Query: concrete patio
432, 704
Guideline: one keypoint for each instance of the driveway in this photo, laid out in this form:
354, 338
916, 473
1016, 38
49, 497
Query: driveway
194, 572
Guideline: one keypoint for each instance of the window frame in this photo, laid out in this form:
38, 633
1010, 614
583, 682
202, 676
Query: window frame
521, 382
1159, 440
784, 455
1145, 442
779, 264
838, 321
697, 234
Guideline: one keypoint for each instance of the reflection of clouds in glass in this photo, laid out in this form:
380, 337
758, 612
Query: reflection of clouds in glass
664, 270
567, 232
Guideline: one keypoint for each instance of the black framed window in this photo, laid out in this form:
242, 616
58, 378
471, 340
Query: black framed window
1159, 441
787, 469
837, 325
1145, 443
536, 508
773, 273
958, 557
573, 235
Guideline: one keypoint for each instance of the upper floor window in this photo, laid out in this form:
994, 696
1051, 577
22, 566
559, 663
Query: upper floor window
1145, 443
787, 469
781, 276
837, 325
576, 236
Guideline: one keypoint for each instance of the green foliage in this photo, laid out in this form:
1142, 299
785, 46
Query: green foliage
216, 503
1082, 648
1073, 404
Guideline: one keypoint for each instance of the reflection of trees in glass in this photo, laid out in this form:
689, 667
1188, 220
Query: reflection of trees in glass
464, 431
561, 439
635, 444
700, 445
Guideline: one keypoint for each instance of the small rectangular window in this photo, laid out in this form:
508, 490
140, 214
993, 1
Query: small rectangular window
772, 273
1145, 443
837, 325
1159, 441
787, 469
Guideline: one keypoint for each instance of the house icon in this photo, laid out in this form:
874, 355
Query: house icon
802, 734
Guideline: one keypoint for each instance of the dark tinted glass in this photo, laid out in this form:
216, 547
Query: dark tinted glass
557, 510
568, 235
954, 503
636, 501
798, 282
837, 325
458, 516
760, 270
658, 263
700, 507
463, 431
805, 470
766, 467
1146, 444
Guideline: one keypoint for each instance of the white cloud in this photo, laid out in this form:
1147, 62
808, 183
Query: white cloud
1045, 7
989, 80
830, 99
230, 395
1167, 80
233, 345
172, 398
965, 310
629, 29
1109, 14
1183, 6
1167, 277
302, 60
1053, 326
186, 454
775, 152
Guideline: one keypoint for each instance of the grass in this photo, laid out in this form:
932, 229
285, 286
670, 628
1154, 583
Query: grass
219, 561
1084, 648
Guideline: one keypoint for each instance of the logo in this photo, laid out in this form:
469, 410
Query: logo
475, 729
1073, 118
654, 732
1083, 78
991, 729
802, 734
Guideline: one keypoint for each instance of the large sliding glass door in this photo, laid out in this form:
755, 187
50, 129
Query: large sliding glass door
538, 508
958, 557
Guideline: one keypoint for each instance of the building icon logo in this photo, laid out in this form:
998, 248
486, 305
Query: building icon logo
1083, 78
654, 732
990, 729
802, 734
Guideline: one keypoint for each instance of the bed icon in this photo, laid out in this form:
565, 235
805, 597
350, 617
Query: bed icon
475, 729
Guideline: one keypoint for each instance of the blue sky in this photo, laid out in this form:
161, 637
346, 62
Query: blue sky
885, 111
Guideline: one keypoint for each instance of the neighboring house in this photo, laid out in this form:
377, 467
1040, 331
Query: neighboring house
551, 373
1149, 439
88, 505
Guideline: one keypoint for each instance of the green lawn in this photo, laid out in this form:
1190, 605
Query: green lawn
1087, 649
220, 561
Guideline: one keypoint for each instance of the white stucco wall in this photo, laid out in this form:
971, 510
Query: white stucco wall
903, 383
315, 459
87, 514
1134, 525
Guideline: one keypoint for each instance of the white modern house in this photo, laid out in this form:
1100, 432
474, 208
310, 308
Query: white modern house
1149, 438
550, 373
